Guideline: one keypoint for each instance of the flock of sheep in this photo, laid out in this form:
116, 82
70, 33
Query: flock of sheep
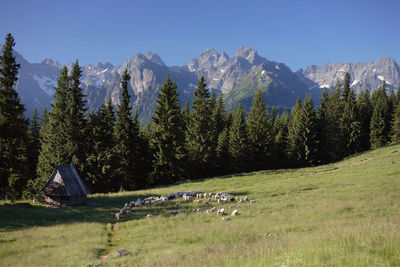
195, 196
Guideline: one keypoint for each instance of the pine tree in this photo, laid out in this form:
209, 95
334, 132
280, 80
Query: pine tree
44, 119
380, 120
294, 143
396, 125
13, 126
309, 130
223, 156
167, 139
260, 134
127, 143
101, 159
76, 120
239, 142
185, 115
33, 145
199, 133
279, 158
303, 134
350, 125
346, 87
54, 135
333, 131
364, 107
323, 127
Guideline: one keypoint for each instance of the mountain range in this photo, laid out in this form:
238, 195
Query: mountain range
237, 78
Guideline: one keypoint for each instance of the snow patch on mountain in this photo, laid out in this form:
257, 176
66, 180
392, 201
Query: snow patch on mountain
47, 84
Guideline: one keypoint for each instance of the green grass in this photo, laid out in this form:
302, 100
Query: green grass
342, 214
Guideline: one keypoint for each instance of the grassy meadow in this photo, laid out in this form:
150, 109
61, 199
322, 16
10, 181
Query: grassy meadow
341, 214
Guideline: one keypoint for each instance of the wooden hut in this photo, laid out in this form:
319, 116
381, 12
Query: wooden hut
65, 187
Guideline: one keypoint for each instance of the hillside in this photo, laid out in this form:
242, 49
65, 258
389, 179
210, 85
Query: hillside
342, 214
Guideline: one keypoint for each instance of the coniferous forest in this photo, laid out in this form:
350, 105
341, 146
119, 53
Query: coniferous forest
113, 152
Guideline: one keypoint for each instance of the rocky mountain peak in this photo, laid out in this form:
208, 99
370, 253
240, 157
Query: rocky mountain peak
52, 63
247, 53
386, 61
155, 58
105, 65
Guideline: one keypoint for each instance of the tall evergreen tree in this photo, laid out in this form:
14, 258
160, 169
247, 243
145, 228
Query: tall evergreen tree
333, 130
223, 156
350, 125
294, 143
346, 87
13, 126
54, 135
185, 115
167, 139
309, 130
364, 107
322, 115
127, 143
380, 120
219, 115
303, 134
239, 142
33, 146
260, 134
76, 119
396, 125
101, 158
44, 119
279, 158
199, 133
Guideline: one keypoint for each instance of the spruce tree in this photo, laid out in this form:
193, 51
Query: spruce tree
309, 132
219, 115
260, 134
33, 144
346, 87
295, 151
223, 156
380, 120
167, 139
333, 131
323, 127
364, 108
55, 134
101, 159
185, 115
396, 125
239, 142
199, 133
44, 119
350, 125
76, 120
13, 126
279, 157
127, 143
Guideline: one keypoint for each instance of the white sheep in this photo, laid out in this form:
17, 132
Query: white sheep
234, 213
221, 211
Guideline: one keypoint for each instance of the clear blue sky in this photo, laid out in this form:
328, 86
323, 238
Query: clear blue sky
297, 32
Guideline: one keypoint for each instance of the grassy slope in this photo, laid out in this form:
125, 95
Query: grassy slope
342, 214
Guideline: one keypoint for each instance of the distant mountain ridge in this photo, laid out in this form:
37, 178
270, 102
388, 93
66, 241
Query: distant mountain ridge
363, 75
237, 78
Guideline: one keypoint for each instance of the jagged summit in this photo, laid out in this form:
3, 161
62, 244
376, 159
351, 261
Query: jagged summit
52, 62
237, 78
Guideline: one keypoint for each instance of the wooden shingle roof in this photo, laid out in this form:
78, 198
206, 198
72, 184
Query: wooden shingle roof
65, 182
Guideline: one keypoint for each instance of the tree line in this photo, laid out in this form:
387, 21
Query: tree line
113, 152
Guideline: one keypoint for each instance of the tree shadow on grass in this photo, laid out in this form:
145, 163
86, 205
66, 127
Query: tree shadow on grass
25, 214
